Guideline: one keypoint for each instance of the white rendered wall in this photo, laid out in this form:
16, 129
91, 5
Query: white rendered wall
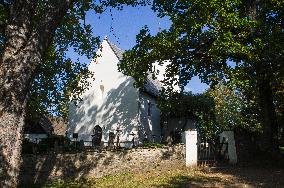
116, 106
149, 125
162, 67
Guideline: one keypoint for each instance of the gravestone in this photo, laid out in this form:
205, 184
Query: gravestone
111, 138
97, 135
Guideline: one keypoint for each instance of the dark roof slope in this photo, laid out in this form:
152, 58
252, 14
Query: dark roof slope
152, 87
118, 51
41, 126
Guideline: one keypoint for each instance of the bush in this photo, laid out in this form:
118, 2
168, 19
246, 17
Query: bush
281, 149
152, 145
46, 145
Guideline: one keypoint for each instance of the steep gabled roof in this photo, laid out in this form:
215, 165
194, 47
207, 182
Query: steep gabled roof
152, 87
117, 51
41, 126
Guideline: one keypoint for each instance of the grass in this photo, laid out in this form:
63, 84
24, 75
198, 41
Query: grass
174, 174
152, 145
178, 176
182, 177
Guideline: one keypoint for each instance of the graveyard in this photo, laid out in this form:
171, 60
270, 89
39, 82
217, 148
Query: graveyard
141, 93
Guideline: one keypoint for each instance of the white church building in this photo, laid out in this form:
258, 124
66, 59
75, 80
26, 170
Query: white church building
113, 103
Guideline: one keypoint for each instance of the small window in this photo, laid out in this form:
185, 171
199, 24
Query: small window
102, 88
139, 106
149, 108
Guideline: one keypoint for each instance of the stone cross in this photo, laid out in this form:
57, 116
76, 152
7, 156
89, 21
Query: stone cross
133, 139
118, 130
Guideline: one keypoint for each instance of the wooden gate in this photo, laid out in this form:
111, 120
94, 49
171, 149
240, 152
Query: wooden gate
211, 151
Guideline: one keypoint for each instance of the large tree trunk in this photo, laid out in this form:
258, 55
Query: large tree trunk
11, 140
17, 65
25, 47
268, 117
265, 94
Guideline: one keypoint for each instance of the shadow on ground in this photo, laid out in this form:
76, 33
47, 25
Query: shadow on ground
39, 172
182, 181
256, 176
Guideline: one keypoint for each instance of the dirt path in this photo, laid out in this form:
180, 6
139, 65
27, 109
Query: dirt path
254, 176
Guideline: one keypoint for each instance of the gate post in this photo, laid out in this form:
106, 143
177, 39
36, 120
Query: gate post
232, 153
191, 145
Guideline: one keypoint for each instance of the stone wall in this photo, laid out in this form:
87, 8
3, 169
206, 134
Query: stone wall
43, 168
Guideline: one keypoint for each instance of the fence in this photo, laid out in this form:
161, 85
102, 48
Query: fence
211, 152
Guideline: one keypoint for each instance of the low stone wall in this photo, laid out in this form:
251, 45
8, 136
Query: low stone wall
42, 168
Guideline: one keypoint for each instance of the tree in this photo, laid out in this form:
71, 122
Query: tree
198, 107
233, 109
238, 40
58, 75
31, 31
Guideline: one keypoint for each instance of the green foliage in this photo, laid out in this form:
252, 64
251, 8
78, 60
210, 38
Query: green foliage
281, 150
232, 109
58, 76
54, 82
203, 36
152, 145
199, 107
239, 41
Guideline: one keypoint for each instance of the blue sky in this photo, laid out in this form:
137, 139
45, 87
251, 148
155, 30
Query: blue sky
126, 25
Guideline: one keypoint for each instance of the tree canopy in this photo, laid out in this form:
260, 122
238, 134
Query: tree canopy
236, 40
35, 72
197, 107
233, 109
58, 76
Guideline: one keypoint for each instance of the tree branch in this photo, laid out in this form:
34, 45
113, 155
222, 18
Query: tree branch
50, 21
19, 25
